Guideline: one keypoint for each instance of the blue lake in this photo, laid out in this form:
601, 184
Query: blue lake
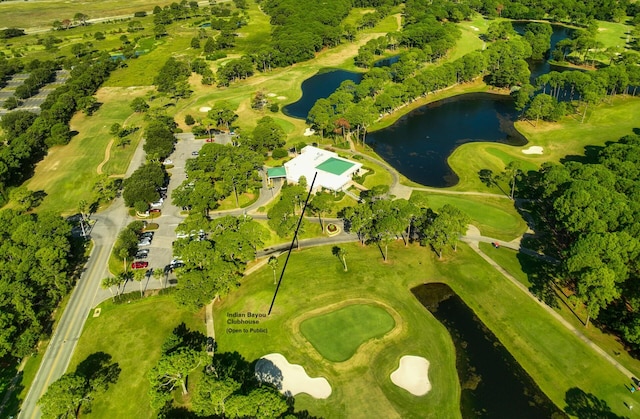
317, 87
419, 143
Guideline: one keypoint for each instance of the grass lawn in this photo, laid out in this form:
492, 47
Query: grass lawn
494, 217
132, 334
338, 334
67, 174
522, 267
605, 122
315, 281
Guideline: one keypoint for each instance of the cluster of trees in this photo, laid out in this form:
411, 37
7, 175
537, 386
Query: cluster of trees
40, 73
218, 172
214, 256
284, 215
381, 220
265, 137
35, 274
228, 387
78, 19
172, 79
589, 213
27, 136
159, 138
11, 33
558, 93
141, 188
73, 393
302, 29
579, 11
126, 246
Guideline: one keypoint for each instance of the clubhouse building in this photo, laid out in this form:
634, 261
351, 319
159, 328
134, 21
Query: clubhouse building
334, 172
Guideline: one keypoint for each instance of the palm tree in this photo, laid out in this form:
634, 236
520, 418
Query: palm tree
273, 262
108, 282
341, 254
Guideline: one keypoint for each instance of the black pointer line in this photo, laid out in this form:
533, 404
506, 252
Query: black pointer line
295, 234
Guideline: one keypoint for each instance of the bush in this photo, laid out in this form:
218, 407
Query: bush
274, 107
189, 120
140, 14
279, 153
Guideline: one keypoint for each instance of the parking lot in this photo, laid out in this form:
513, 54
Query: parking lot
160, 249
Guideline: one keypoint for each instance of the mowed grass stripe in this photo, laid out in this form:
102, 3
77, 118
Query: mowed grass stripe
339, 334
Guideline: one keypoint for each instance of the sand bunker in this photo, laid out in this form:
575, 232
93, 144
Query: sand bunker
290, 379
281, 97
412, 375
474, 28
205, 109
309, 132
534, 149
271, 94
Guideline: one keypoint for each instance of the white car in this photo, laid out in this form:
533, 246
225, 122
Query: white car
157, 204
168, 161
144, 242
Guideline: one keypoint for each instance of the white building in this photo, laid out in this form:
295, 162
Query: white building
334, 172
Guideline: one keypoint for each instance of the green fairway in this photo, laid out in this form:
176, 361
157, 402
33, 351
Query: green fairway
337, 335
315, 282
495, 217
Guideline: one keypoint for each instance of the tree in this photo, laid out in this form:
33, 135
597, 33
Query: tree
139, 275
109, 282
139, 105
64, 397
341, 254
273, 263
321, 204
223, 113
159, 275
511, 174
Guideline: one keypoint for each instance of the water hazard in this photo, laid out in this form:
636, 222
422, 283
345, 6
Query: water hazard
493, 384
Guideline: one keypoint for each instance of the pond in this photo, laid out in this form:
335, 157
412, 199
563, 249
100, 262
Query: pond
317, 87
419, 143
493, 384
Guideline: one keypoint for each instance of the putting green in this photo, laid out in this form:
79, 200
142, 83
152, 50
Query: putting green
337, 335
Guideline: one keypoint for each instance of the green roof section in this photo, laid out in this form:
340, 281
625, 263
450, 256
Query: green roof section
335, 166
275, 172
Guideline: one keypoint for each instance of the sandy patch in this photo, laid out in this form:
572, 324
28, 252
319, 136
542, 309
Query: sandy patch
412, 375
271, 94
309, 132
534, 149
475, 28
205, 109
281, 97
290, 379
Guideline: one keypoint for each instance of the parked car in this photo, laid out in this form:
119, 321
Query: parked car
139, 264
144, 242
154, 211
157, 204
194, 153
147, 235
142, 254
211, 140
168, 161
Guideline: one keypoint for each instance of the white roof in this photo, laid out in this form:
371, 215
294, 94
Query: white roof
306, 164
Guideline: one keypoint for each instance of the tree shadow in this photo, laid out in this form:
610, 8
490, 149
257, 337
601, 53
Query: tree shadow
587, 406
98, 370
540, 274
268, 372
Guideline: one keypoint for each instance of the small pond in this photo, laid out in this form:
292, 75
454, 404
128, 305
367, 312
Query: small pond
493, 384
317, 87
419, 143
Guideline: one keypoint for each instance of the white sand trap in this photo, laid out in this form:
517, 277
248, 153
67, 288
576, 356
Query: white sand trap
309, 132
290, 379
412, 375
271, 94
534, 149
281, 97
205, 109
474, 28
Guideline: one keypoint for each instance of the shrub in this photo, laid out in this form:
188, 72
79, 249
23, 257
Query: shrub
279, 153
274, 107
189, 120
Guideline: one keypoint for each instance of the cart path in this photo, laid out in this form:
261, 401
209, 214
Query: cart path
107, 156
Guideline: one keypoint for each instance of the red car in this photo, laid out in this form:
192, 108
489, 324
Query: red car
139, 264
211, 140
